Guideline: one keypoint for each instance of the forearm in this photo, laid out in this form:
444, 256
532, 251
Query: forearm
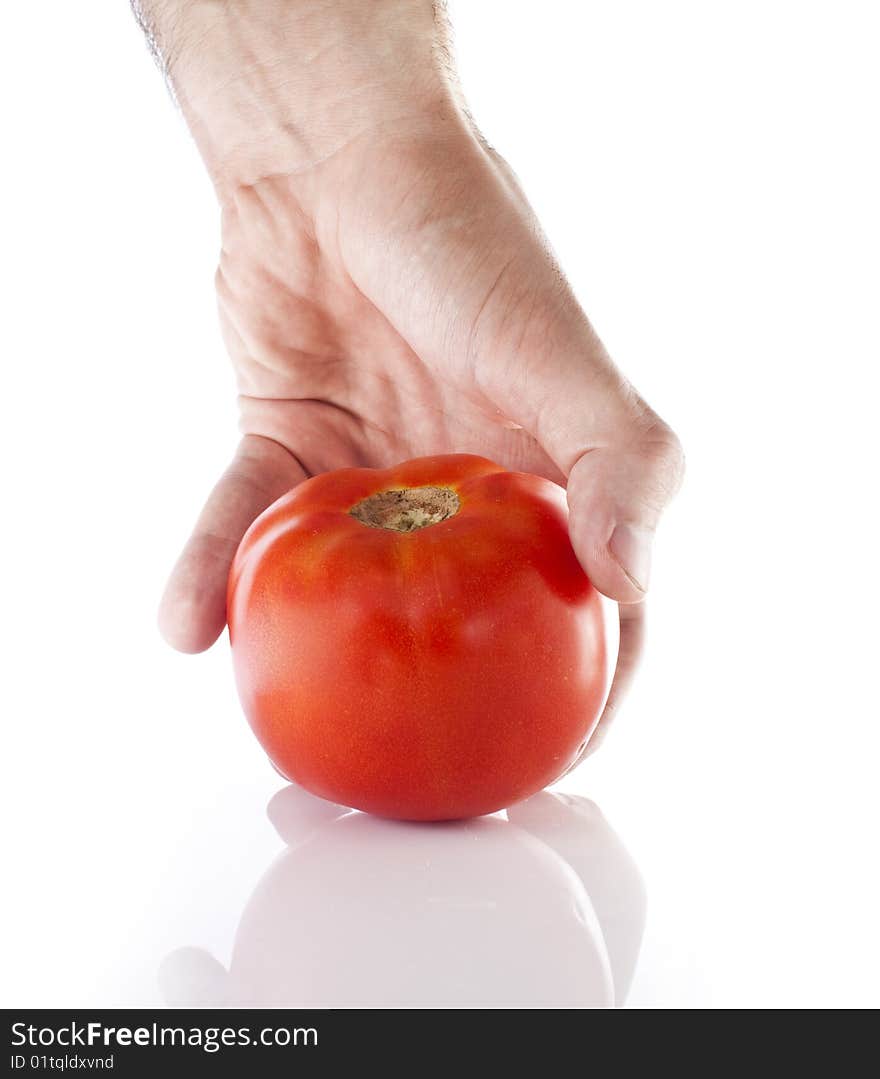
271, 86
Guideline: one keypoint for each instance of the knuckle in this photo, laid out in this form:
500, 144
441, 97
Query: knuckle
662, 447
673, 459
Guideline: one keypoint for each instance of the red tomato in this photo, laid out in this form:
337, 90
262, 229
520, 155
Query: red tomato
420, 641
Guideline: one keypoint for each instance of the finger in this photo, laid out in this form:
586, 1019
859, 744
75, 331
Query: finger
632, 640
192, 613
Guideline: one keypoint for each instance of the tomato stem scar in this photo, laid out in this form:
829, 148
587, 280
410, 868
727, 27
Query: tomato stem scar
407, 509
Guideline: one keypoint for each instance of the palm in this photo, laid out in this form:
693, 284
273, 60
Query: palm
330, 333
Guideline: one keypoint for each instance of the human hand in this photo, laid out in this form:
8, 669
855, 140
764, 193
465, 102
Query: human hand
385, 292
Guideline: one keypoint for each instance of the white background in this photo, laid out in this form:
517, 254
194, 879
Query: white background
708, 174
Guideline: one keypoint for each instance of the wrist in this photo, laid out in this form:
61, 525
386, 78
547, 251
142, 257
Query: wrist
279, 85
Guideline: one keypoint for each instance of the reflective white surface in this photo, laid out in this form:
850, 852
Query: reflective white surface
544, 908
709, 183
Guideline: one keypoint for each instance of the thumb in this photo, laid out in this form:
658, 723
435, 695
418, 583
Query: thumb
536, 353
487, 306
616, 493
536, 356
622, 464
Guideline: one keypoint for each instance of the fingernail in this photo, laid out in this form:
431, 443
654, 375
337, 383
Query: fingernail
631, 548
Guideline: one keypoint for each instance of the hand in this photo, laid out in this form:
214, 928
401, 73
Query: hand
385, 292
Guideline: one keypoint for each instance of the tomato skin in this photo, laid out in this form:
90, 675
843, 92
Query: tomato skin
436, 674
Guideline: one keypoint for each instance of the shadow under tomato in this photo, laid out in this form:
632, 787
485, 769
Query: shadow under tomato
542, 908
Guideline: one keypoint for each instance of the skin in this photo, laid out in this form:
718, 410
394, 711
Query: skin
385, 291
